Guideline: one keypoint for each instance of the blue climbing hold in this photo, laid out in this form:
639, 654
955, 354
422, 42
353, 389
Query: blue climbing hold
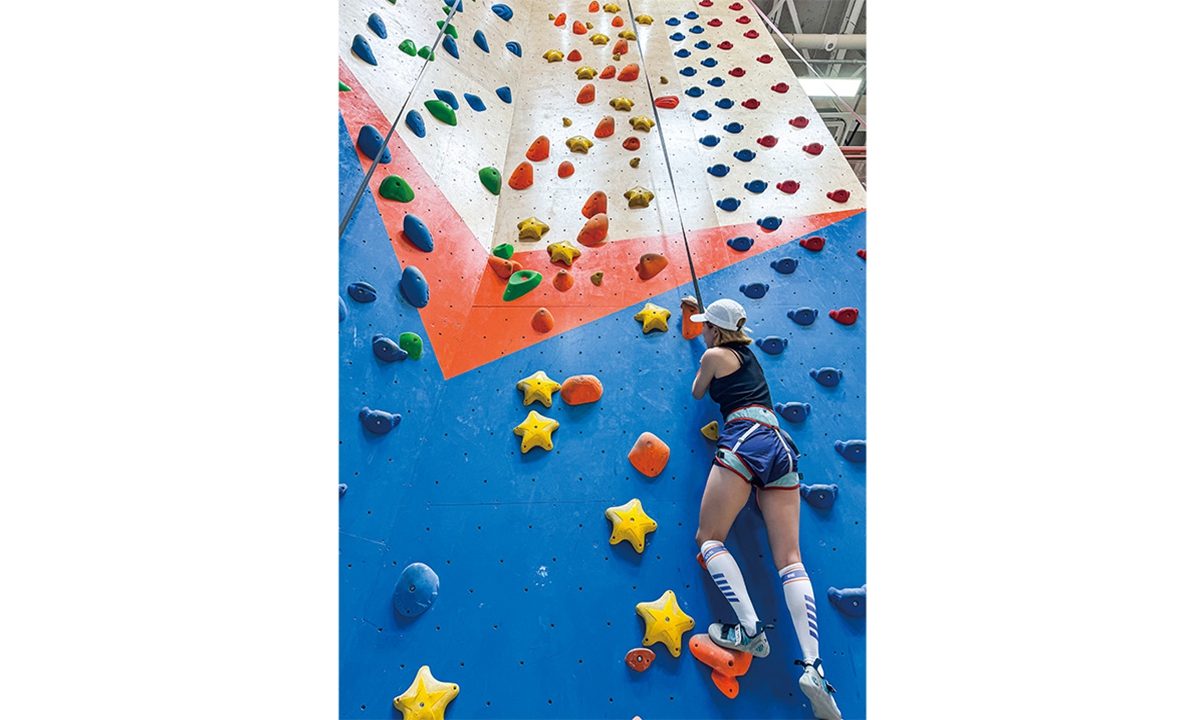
696, 29
416, 590
447, 97
734, 127
755, 186
718, 170
503, 11
452, 3
379, 422
827, 376
386, 349
481, 41
703, 45
724, 103
341, 309
716, 82
475, 102
710, 62
376, 24
414, 287
692, 15
362, 49
849, 601
673, 21
754, 290
770, 223
702, 114
710, 141
361, 292
417, 233
796, 412
801, 316
450, 46
729, 204
819, 496
415, 122
688, 71
513, 47
505, 94
677, 36
784, 266
694, 92
741, 243
370, 142
745, 155
772, 344
683, 52
342, 488
852, 450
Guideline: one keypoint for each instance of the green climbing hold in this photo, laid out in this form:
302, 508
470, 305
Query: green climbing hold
394, 187
441, 111
490, 177
520, 283
411, 344
426, 53
446, 9
504, 251
343, 87
408, 47
450, 29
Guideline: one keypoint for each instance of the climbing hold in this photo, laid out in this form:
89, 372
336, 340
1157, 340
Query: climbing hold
712, 431
505, 94
481, 41
563, 252
838, 196
566, 122
652, 317
566, 169
704, 45
727, 665
682, 52
621, 103
715, 22
627, 35
579, 144
370, 142
376, 24
425, 53
852, 450
361, 292
754, 290
646, 20
850, 601
665, 622
688, 71
612, 8
447, 97
579, 28
605, 128
411, 344
813, 148
513, 47
341, 309
751, 104
641, 122
475, 102
845, 316
694, 92
379, 422
416, 590
788, 186
827, 376
630, 523
784, 266
426, 698
361, 48
450, 46
821, 497
862, 253
599, 39
620, 47
597, 278
702, 114
596, 204
650, 454
455, 5
799, 121
343, 87
768, 141
594, 6
560, 20
503, 11
408, 47
414, 287
504, 251
815, 244
538, 150
772, 345
734, 127
342, 488
745, 155
521, 283
724, 103
553, 55
780, 87
737, 72
764, 59
741, 243
696, 29
796, 412
608, 72
729, 204
531, 229
667, 102
709, 140
755, 186
639, 196
687, 308
594, 232
581, 389
394, 187
490, 177
726, 45
770, 223
574, 56
639, 658
629, 73
802, 316
503, 267
441, 111
536, 431
417, 233
719, 170
538, 387
587, 94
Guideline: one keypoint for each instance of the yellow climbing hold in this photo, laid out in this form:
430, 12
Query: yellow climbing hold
662, 80
641, 122
566, 122
535, 432
643, 19
539, 387
579, 144
712, 431
588, 25
563, 251
653, 317
627, 34
631, 523
426, 698
634, 162
665, 622
531, 229
621, 103
553, 55
639, 197
585, 73
599, 39
612, 8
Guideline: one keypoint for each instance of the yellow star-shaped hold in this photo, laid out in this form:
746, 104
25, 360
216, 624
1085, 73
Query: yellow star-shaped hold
579, 144
641, 122
538, 386
584, 72
712, 431
553, 56
621, 103
630, 522
535, 431
426, 698
599, 39
643, 19
653, 317
627, 34
639, 197
531, 229
563, 252
665, 622
612, 7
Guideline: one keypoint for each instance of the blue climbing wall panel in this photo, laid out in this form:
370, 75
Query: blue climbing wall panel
536, 610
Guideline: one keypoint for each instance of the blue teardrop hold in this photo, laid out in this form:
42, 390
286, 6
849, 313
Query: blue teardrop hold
802, 316
852, 450
744, 155
361, 292
754, 290
505, 94
417, 233
696, 29
827, 376
378, 422
770, 222
677, 36
673, 21
513, 47
694, 92
796, 412
386, 349
362, 49
709, 140
415, 122
718, 170
772, 344
850, 601
729, 204
785, 266
682, 52
819, 496
475, 102
414, 287
755, 186
692, 15
341, 309
370, 141
724, 103
416, 590
741, 243
703, 45
688, 71
376, 24
734, 127
709, 62
503, 11
447, 97
702, 114
481, 41
451, 46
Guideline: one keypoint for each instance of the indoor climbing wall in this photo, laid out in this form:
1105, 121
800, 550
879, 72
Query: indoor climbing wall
510, 327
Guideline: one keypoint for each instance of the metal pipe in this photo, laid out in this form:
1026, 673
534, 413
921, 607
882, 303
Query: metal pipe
828, 43
828, 61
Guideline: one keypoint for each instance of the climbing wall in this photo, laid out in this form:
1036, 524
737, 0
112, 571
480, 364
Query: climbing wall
535, 610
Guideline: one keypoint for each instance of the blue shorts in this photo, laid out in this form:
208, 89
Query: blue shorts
753, 447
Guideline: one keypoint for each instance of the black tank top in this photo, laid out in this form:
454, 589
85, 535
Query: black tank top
742, 387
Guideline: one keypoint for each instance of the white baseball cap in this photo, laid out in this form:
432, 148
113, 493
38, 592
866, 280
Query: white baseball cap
723, 313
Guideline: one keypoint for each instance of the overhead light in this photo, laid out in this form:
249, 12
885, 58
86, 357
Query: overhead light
828, 87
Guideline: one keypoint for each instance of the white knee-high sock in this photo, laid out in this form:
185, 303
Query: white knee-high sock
728, 577
798, 592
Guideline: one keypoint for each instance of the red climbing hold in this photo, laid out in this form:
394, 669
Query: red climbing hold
594, 232
735, 7
522, 177
579, 28
737, 72
799, 121
563, 281
780, 87
788, 186
667, 102
560, 20
606, 127
751, 104
814, 244
650, 265
542, 321
724, 45
764, 58
751, 34
705, 3
813, 148
862, 253
639, 658
715, 22
503, 268
596, 203
608, 73
846, 315
566, 169
838, 196
743, 20
629, 73
539, 150
574, 56
587, 94
768, 141
631, 143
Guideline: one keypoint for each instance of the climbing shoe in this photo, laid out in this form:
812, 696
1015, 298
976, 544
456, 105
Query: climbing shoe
819, 692
735, 638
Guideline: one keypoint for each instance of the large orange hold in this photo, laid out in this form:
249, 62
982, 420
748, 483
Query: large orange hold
606, 127
631, 143
594, 232
596, 203
539, 150
629, 72
581, 389
579, 28
650, 265
574, 56
587, 94
566, 169
560, 20
608, 73
621, 47
563, 281
522, 177
649, 454
690, 329
618, 22
667, 102
542, 321
638, 658
504, 268
727, 664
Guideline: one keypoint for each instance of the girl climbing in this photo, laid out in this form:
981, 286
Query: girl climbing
753, 451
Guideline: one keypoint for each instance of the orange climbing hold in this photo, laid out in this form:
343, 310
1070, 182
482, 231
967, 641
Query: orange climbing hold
650, 265
574, 56
566, 169
542, 321
688, 308
539, 150
639, 658
667, 102
631, 143
579, 28
621, 47
608, 73
606, 127
522, 177
587, 94
649, 454
560, 20
594, 7
594, 232
726, 664
504, 268
629, 72
563, 281
618, 22
581, 389
596, 203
